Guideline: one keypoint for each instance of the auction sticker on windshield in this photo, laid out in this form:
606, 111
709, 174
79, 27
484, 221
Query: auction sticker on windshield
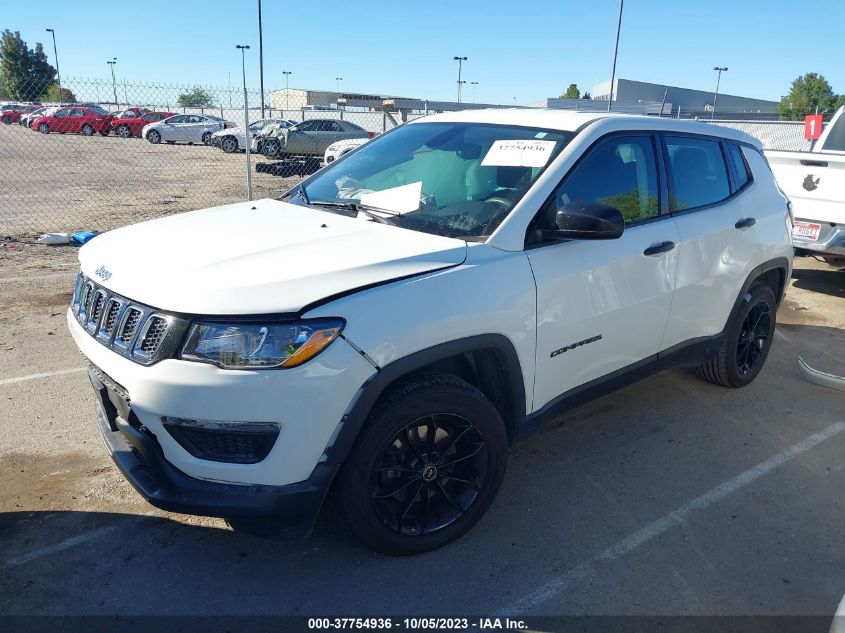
519, 153
806, 230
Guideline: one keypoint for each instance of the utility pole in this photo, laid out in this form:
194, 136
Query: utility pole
615, 53
460, 60
247, 144
260, 59
56, 55
287, 74
720, 69
112, 63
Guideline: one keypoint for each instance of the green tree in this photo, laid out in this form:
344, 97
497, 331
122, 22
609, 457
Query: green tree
572, 92
196, 98
586, 96
807, 93
52, 95
840, 101
26, 72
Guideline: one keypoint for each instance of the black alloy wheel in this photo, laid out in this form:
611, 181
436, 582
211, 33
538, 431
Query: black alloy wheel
429, 475
753, 336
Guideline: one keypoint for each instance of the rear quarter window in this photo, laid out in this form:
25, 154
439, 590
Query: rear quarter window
699, 175
740, 167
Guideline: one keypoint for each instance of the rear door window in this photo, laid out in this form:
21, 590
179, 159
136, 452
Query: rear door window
699, 176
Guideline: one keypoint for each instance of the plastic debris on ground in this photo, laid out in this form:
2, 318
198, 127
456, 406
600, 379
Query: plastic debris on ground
54, 239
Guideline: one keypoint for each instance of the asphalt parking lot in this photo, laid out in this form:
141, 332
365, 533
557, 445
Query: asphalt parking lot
672, 496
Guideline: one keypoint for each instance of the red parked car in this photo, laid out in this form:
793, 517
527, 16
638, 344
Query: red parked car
14, 114
79, 119
126, 127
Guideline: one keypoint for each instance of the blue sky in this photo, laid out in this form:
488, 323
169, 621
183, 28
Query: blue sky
528, 50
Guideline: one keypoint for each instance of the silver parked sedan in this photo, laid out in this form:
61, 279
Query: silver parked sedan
185, 128
309, 138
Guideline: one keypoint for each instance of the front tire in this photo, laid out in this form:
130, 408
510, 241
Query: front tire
123, 131
229, 144
426, 468
747, 341
7, 119
206, 138
44, 128
154, 137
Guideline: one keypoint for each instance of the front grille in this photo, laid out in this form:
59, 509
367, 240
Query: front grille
131, 329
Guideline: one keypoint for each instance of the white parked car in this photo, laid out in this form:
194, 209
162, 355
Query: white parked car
185, 128
341, 148
398, 319
815, 183
29, 118
234, 140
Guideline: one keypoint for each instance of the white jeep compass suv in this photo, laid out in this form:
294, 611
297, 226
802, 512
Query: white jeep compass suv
391, 325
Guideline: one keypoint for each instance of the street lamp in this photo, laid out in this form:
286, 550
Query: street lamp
287, 74
113, 82
615, 53
720, 69
248, 140
338, 80
460, 60
261, 58
56, 55
473, 84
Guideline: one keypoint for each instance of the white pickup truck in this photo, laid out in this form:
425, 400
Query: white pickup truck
815, 183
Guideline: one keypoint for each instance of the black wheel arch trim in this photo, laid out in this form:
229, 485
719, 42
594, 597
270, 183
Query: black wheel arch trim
778, 263
369, 393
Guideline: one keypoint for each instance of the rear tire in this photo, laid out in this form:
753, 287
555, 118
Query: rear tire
87, 130
6, 119
747, 340
123, 131
426, 466
206, 138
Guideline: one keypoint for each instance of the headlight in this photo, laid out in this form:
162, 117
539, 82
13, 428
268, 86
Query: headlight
260, 346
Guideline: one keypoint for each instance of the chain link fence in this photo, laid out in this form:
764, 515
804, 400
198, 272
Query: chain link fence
115, 153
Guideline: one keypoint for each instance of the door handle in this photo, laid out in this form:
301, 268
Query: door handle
744, 223
656, 249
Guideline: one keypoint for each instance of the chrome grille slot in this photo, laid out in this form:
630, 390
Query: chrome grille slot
98, 302
109, 320
131, 329
128, 327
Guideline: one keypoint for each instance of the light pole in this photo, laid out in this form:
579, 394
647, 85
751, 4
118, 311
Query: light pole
460, 60
338, 80
56, 55
287, 74
261, 59
615, 53
473, 84
248, 140
720, 69
229, 74
113, 81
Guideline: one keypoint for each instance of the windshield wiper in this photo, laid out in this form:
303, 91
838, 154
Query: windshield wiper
357, 207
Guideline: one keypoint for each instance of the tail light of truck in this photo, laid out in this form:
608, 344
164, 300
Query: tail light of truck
372, 135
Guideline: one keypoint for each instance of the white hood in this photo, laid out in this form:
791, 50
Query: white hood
260, 257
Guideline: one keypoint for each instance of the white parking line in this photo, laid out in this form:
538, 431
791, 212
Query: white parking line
678, 517
58, 547
47, 374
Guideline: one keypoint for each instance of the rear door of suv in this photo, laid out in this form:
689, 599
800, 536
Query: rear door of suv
603, 305
711, 198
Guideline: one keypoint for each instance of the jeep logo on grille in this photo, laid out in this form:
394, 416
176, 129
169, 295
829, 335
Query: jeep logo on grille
103, 273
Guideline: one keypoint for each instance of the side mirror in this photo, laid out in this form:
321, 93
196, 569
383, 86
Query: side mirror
589, 221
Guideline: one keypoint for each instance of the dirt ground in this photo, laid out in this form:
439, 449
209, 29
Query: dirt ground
70, 182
